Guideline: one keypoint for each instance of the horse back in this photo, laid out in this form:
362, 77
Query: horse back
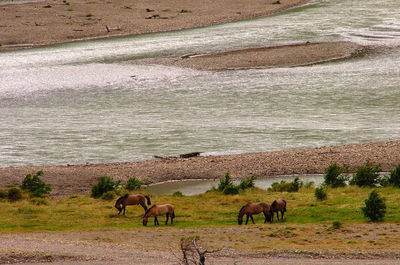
165, 208
279, 204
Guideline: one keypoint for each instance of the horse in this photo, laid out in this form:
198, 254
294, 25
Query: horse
277, 206
157, 210
255, 208
132, 200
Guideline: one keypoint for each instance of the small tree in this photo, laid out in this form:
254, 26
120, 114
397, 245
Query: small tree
375, 207
103, 185
394, 177
35, 186
334, 175
223, 183
247, 183
366, 175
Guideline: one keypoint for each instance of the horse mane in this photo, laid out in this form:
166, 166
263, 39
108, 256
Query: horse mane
273, 204
148, 210
148, 199
240, 211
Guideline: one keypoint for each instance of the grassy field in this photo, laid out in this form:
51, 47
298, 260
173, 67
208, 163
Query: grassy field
212, 209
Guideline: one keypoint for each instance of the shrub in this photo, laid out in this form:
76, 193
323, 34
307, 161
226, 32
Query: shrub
103, 185
334, 175
108, 196
287, 186
336, 225
35, 186
366, 175
247, 183
223, 183
320, 193
231, 190
14, 194
394, 177
177, 194
3, 194
375, 207
133, 184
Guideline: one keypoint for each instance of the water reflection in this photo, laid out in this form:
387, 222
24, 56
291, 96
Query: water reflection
194, 187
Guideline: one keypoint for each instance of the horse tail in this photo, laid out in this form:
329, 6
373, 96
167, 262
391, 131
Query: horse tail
173, 214
148, 199
119, 201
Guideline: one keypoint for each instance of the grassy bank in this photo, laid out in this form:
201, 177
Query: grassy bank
82, 213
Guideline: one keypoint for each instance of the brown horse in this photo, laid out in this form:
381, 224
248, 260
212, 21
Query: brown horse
132, 200
277, 206
157, 210
255, 208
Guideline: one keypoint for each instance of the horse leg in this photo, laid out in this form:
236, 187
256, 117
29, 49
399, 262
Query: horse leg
124, 209
277, 215
156, 221
166, 222
282, 213
143, 204
265, 216
252, 219
247, 219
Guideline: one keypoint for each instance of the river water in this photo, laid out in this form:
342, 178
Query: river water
77, 103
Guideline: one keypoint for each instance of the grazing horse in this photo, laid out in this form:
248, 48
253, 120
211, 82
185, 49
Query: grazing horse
255, 208
157, 210
277, 206
132, 200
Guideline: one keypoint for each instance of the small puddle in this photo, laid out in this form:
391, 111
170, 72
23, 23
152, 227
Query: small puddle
194, 187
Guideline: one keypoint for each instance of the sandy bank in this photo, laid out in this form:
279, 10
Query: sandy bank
298, 54
78, 179
59, 21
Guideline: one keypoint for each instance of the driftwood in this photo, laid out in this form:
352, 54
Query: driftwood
188, 155
192, 253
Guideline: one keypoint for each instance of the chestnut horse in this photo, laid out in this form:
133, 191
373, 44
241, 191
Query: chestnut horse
255, 208
157, 210
132, 200
277, 206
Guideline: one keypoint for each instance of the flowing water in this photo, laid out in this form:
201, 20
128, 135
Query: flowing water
78, 103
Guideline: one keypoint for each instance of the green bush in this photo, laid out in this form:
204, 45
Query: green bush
108, 196
286, 186
247, 183
335, 225
366, 175
133, 184
177, 194
320, 194
103, 185
3, 194
375, 207
223, 183
334, 175
35, 186
231, 190
394, 178
14, 194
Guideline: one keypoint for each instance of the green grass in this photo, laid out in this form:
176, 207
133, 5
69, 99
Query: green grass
82, 213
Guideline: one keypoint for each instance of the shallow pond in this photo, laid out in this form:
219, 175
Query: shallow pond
194, 187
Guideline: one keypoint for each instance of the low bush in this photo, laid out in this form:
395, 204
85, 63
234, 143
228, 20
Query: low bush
335, 175
320, 193
366, 175
177, 194
225, 182
35, 186
39, 201
231, 190
375, 207
104, 185
133, 184
286, 186
394, 177
14, 194
247, 182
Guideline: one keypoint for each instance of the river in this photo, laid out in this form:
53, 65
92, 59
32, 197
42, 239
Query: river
77, 103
